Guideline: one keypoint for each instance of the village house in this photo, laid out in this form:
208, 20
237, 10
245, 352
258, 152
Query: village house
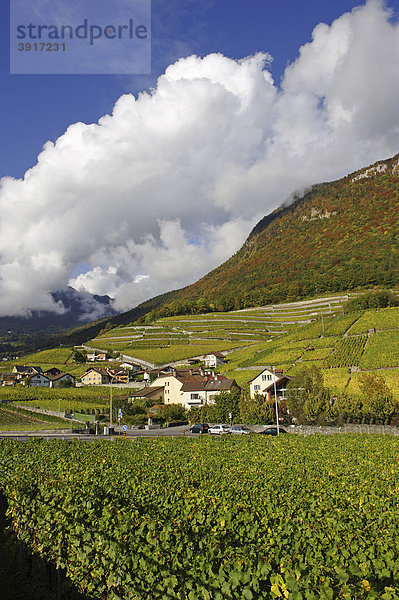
263, 384
97, 356
44, 380
213, 360
118, 375
63, 378
9, 379
52, 372
192, 389
95, 376
102, 376
22, 371
40, 380
153, 393
133, 367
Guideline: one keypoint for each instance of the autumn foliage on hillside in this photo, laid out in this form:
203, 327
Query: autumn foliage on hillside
339, 236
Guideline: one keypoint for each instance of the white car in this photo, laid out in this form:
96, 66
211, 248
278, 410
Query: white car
240, 430
219, 429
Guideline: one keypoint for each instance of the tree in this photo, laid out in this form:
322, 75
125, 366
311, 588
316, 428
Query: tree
377, 398
377, 299
307, 398
79, 356
257, 410
172, 412
350, 407
226, 403
316, 406
66, 383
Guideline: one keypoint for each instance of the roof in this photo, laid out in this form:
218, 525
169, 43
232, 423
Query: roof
270, 369
147, 392
61, 375
26, 368
217, 354
99, 370
224, 384
209, 384
279, 381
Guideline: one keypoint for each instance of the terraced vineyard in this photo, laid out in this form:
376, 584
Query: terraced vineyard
379, 319
55, 357
287, 336
347, 352
318, 343
191, 335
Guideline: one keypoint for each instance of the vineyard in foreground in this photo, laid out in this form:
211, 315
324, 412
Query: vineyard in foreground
298, 518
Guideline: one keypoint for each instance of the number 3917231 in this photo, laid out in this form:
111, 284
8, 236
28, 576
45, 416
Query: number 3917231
42, 47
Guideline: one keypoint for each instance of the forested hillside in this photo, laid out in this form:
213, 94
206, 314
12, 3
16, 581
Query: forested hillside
339, 236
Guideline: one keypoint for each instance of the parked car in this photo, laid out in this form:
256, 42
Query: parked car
240, 430
199, 428
272, 431
219, 429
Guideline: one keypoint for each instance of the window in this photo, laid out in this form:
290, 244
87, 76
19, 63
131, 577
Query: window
269, 378
257, 387
194, 397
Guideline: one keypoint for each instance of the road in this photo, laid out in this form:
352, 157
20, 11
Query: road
131, 434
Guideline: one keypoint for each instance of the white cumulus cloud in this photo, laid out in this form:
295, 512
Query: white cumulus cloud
168, 186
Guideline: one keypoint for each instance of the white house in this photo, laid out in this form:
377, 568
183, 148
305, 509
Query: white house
213, 360
263, 384
131, 366
40, 380
192, 390
96, 355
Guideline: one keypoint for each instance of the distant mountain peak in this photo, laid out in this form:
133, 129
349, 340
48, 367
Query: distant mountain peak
80, 307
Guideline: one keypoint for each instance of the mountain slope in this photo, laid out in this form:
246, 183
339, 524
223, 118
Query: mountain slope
339, 236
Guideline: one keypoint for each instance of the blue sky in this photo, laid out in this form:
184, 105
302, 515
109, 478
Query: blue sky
169, 183
37, 108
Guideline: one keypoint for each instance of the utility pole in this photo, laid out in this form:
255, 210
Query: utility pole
110, 399
275, 401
